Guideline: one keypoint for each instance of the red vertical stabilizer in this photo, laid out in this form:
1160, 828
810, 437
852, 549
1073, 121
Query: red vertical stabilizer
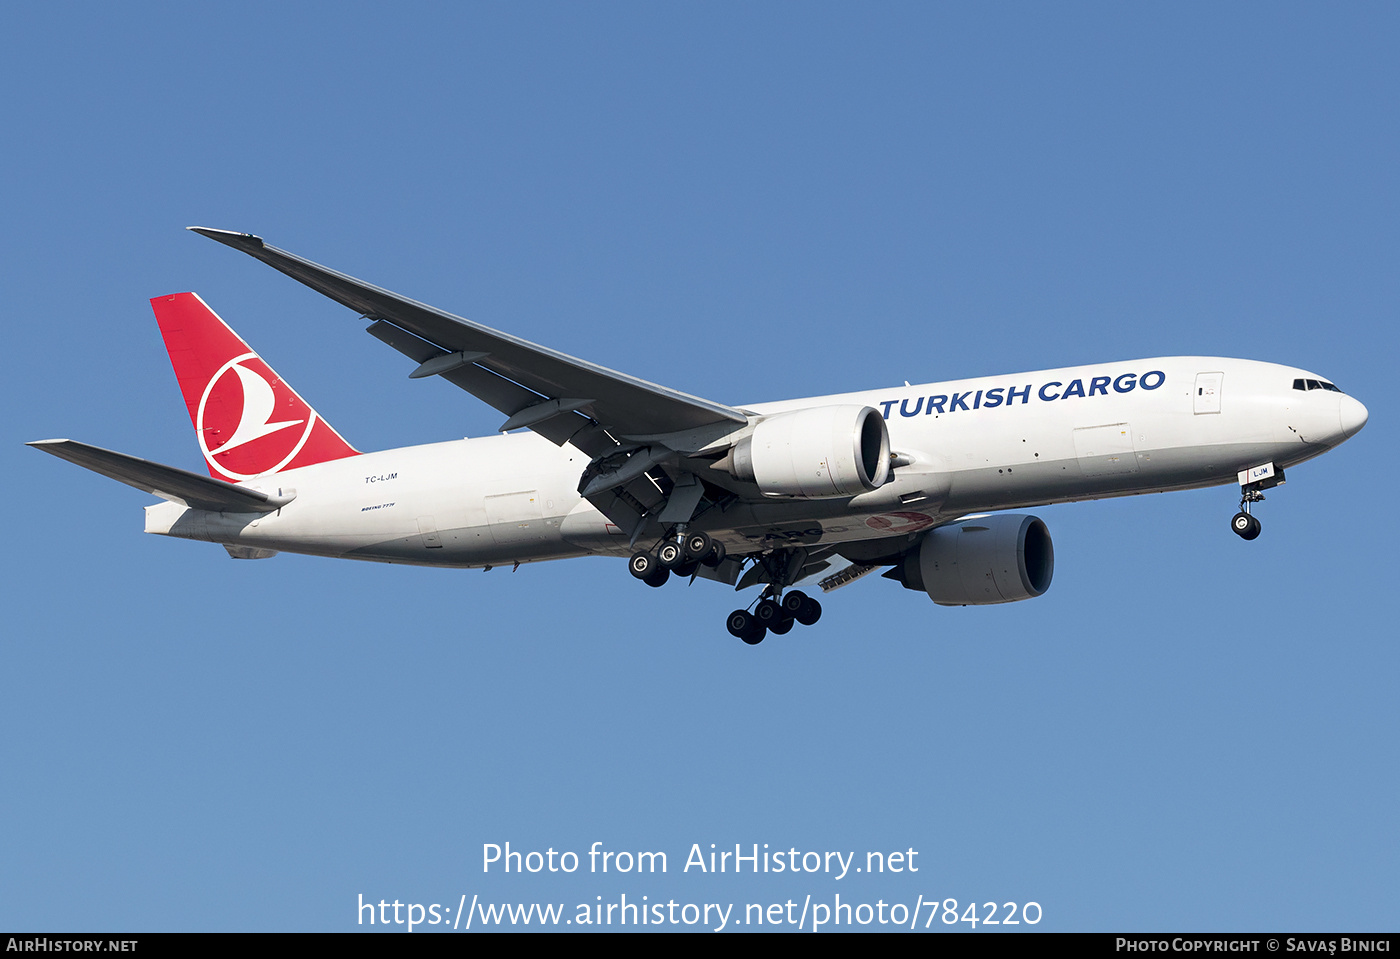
248, 421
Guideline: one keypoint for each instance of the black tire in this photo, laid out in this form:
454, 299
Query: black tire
767, 612
670, 555
1245, 525
715, 556
687, 569
658, 578
793, 601
810, 612
642, 565
742, 625
781, 627
1255, 528
697, 546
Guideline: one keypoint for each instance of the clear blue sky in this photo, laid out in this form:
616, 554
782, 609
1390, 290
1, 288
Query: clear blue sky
746, 203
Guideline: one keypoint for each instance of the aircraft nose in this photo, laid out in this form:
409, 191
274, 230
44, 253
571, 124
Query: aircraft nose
1354, 416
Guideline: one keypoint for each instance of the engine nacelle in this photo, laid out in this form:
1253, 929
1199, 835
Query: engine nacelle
818, 453
983, 561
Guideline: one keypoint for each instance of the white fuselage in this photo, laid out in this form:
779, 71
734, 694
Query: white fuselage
974, 445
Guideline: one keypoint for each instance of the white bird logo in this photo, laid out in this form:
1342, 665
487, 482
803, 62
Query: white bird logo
258, 407
254, 421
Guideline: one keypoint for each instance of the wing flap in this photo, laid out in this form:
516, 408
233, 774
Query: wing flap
167, 482
494, 390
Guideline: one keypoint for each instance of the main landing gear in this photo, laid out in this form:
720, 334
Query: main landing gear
680, 555
1253, 482
774, 613
777, 612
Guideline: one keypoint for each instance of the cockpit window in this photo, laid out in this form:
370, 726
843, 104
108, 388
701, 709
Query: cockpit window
1305, 385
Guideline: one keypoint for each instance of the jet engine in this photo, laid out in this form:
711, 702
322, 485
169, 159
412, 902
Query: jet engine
817, 453
982, 561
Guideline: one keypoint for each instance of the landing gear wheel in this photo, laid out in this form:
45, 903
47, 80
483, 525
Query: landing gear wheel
768, 613
715, 556
1246, 526
687, 569
659, 577
670, 555
801, 607
793, 601
642, 565
782, 626
697, 546
1243, 523
742, 625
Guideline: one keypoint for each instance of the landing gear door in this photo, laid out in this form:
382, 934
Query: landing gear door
1208, 389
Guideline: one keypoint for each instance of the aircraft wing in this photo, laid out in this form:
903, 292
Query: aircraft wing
563, 398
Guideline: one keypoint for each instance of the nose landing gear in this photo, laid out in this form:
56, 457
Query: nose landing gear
1253, 482
1244, 524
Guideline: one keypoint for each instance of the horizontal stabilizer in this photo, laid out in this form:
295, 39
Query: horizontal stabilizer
167, 482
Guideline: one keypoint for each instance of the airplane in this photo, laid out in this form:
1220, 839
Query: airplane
590, 461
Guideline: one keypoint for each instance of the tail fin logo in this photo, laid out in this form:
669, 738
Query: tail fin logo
247, 420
